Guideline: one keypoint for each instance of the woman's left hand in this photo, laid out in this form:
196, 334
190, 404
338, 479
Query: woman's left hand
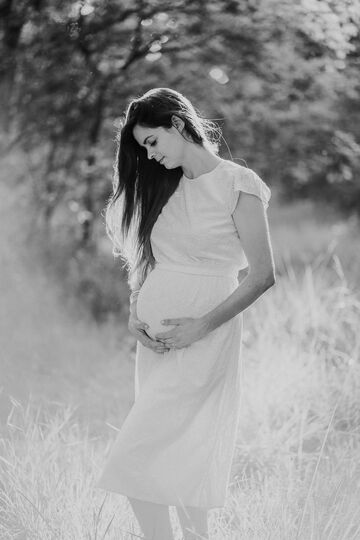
187, 331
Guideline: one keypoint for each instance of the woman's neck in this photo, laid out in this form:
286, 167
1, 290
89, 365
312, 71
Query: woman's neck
198, 160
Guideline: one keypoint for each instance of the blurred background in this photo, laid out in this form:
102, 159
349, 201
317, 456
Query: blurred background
282, 80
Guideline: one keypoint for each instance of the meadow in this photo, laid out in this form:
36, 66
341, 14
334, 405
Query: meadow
67, 385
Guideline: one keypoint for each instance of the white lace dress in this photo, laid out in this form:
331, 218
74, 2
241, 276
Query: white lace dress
177, 443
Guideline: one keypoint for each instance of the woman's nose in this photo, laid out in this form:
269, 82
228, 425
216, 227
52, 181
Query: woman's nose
150, 154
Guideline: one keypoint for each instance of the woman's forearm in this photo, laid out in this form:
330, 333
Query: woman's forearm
133, 296
249, 290
132, 307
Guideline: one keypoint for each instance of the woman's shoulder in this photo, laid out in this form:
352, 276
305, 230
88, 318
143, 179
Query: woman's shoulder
245, 179
233, 167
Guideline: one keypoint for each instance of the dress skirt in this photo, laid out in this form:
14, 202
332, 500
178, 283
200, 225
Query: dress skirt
177, 443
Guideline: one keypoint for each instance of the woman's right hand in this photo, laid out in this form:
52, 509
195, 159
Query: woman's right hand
138, 329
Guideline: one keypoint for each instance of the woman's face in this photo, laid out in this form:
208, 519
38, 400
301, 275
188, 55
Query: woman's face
164, 145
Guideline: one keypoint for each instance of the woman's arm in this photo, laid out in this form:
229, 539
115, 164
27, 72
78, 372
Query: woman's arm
138, 328
135, 286
251, 223
133, 296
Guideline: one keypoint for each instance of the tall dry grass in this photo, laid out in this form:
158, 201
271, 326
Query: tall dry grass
296, 472
66, 385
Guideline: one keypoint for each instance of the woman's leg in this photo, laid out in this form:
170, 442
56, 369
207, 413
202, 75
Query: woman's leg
193, 522
154, 519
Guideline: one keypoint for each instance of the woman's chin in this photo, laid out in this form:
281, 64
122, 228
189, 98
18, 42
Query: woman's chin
168, 165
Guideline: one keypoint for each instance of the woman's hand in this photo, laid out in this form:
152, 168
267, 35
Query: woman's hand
138, 329
187, 331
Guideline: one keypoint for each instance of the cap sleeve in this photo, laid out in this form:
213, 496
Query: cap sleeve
247, 180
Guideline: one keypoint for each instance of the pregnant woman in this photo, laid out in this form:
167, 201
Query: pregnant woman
185, 221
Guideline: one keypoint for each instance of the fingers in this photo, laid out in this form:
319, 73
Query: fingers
141, 325
138, 330
135, 326
165, 335
156, 346
175, 321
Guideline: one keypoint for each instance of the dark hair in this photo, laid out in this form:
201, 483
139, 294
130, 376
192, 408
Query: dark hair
141, 186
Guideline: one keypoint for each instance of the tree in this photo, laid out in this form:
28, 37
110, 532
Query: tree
281, 79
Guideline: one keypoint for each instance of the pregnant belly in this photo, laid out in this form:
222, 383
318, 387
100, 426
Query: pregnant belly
167, 294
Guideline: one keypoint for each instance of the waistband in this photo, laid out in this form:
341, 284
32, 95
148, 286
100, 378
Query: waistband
202, 270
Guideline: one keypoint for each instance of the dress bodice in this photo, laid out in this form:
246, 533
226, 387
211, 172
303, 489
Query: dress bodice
195, 226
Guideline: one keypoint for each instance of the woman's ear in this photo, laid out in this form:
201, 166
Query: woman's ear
177, 122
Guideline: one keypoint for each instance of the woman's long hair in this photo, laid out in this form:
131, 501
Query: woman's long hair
141, 186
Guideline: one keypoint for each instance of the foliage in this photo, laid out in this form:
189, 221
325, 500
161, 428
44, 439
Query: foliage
282, 80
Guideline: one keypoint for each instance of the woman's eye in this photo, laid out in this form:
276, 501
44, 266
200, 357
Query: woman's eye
153, 143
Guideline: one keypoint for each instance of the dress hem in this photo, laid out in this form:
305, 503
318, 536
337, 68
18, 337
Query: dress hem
167, 503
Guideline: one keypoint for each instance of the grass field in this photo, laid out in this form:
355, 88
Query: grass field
67, 385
